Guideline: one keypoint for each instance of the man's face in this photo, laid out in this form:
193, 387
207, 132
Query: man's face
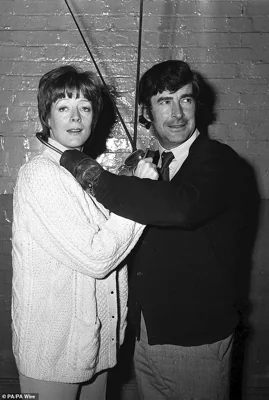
173, 116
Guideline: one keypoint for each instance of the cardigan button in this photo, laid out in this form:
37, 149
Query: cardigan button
139, 273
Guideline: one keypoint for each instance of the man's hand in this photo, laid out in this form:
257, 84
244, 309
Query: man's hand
146, 169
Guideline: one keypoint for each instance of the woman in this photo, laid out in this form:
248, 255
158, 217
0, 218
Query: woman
68, 301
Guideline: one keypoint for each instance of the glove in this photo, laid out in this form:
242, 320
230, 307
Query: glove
85, 169
131, 162
127, 171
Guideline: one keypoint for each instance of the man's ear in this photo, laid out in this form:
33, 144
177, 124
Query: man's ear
145, 122
144, 119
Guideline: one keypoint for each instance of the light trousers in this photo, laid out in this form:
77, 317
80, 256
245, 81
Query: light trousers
169, 372
94, 390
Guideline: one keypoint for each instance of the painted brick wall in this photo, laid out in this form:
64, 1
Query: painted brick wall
227, 41
7, 367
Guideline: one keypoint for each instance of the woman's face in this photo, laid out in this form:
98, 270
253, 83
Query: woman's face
70, 121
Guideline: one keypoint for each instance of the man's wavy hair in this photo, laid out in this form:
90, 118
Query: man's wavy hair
169, 75
65, 81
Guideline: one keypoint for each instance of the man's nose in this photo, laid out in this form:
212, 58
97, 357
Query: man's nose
177, 110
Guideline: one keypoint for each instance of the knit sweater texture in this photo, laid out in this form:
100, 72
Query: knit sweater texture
68, 301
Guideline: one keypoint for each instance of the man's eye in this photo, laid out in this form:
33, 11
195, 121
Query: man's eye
164, 102
63, 108
187, 100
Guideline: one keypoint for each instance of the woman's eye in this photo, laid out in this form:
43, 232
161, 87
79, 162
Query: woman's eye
86, 109
63, 108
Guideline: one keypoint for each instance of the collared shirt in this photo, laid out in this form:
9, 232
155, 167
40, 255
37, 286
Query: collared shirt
57, 144
180, 153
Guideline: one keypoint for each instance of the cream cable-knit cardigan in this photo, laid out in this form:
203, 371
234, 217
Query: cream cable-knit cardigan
64, 294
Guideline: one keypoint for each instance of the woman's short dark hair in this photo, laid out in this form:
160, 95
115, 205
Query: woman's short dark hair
168, 75
65, 81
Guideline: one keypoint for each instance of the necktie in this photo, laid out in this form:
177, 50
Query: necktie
167, 157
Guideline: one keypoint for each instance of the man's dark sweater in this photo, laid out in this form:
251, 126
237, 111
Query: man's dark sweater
185, 270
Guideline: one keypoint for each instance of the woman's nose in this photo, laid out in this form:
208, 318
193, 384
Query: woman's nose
75, 116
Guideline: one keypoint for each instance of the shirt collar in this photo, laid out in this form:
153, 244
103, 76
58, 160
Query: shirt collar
59, 146
52, 153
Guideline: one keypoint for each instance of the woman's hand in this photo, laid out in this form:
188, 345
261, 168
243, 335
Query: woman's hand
146, 169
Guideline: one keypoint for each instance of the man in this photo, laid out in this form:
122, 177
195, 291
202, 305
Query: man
183, 285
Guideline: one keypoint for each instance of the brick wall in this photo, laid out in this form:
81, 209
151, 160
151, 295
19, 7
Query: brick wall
7, 367
227, 41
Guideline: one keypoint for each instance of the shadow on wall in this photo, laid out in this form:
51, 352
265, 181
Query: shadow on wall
96, 144
205, 109
244, 275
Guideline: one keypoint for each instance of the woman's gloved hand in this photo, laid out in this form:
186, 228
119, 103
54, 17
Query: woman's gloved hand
85, 169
